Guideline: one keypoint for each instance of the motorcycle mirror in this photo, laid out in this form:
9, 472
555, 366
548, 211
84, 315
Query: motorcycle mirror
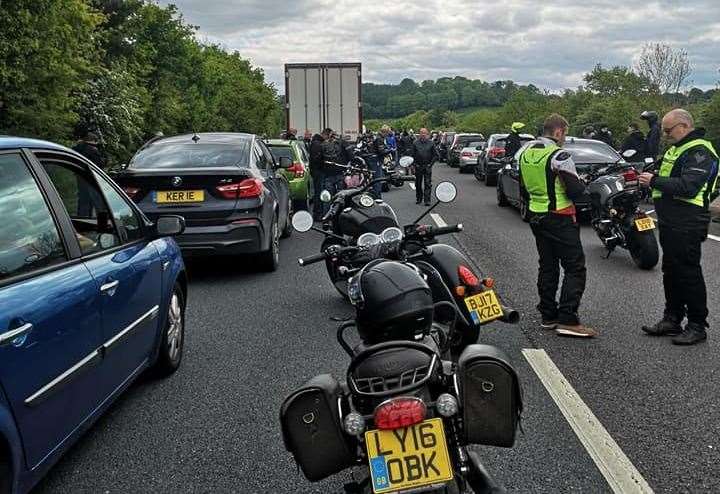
508, 166
629, 153
649, 160
406, 161
359, 145
446, 192
302, 221
325, 196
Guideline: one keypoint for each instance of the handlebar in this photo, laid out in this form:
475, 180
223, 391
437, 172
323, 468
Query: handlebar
305, 261
444, 230
332, 250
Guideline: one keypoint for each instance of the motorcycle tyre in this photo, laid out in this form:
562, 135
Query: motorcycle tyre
644, 250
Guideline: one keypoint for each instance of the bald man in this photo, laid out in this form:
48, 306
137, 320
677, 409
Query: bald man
682, 190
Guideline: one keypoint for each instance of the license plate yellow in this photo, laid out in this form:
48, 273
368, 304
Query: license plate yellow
176, 196
410, 457
643, 224
484, 307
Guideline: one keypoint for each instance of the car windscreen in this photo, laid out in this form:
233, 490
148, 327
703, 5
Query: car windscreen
282, 152
184, 155
591, 152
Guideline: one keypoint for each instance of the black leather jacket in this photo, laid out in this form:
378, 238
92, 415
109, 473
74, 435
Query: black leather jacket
424, 153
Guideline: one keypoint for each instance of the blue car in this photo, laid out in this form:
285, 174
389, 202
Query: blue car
91, 295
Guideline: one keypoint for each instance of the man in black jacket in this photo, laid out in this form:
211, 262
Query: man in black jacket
424, 154
682, 191
652, 142
634, 140
88, 147
316, 171
513, 142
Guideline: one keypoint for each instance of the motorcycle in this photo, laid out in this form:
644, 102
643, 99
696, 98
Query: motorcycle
617, 218
449, 273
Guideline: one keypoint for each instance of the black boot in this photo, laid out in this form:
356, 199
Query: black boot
694, 333
669, 326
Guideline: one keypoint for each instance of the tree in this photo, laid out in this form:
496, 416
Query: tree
617, 80
666, 68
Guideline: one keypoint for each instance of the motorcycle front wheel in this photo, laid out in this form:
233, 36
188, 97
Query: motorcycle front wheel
643, 247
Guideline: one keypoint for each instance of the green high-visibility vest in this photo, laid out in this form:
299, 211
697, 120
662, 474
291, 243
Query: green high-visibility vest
546, 190
670, 158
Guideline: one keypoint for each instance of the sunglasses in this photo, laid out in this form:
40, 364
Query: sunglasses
669, 130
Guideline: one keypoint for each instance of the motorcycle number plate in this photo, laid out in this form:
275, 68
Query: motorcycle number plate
484, 307
643, 224
408, 457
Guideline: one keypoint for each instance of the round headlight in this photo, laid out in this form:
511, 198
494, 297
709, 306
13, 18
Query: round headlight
446, 405
368, 239
354, 424
392, 234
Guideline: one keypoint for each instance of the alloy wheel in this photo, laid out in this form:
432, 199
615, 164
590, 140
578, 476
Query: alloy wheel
175, 327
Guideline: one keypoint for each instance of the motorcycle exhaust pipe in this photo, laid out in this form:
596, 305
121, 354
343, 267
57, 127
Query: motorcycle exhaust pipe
510, 316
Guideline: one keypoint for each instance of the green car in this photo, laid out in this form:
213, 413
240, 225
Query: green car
298, 173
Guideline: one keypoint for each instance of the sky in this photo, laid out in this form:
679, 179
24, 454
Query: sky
549, 43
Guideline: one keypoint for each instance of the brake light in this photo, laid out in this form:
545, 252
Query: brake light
298, 169
496, 152
467, 277
131, 191
399, 412
467, 154
247, 189
630, 175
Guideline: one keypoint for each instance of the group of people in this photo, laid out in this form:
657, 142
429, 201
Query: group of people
682, 188
645, 146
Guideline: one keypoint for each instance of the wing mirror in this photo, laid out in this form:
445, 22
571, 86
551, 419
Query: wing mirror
302, 221
629, 153
169, 225
446, 192
325, 196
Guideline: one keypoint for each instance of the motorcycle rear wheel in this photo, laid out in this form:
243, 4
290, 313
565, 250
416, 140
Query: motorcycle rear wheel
643, 247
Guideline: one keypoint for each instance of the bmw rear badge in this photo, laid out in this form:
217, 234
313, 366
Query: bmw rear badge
366, 200
176, 181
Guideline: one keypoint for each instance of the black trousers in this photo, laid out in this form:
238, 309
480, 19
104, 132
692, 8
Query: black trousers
685, 292
423, 182
558, 243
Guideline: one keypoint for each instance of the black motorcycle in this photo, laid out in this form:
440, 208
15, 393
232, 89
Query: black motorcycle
404, 418
617, 218
449, 273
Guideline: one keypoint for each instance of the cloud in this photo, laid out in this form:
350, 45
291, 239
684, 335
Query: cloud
550, 44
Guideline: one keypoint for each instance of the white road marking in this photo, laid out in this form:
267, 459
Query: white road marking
412, 185
438, 219
620, 473
714, 237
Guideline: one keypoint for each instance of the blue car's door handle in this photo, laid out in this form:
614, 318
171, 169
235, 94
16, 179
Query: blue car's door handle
7, 337
109, 288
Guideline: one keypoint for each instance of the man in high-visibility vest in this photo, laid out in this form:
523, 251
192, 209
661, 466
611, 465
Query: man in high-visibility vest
549, 184
682, 191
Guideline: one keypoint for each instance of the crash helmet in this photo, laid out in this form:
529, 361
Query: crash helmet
392, 302
649, 115
517, 126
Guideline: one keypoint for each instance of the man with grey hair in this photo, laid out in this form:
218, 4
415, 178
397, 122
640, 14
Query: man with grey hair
682, 190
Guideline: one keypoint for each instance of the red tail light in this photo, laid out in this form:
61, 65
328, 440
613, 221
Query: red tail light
298, 169
467, 277
247, 189
131, 191
399, 412
467, 154
630, 175
496, 152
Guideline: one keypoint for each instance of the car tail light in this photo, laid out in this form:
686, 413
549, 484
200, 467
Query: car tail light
496, 152
298, 169
399, 412
247, 189
466, 154
467, 277
131, 191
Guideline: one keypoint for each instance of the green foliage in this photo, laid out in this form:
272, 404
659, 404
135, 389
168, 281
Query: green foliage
125, 69
710, 118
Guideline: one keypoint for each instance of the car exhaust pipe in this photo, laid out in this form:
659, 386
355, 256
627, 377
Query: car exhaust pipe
510, 316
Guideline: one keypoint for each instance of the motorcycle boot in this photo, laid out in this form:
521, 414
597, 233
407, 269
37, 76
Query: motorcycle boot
693, 333
668, 326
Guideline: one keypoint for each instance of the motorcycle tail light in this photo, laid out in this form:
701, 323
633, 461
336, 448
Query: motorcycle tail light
630, 175
467, 277
399, 412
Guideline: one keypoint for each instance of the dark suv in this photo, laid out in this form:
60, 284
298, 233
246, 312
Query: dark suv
459, 142
227, 186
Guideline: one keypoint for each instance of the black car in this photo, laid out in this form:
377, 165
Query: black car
458, 143
588, 155
492, 156
226, 185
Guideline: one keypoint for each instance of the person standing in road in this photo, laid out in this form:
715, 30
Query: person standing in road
88, 147
377, 151
549, 183
652, 142
316, 172
307, 139
635, 140
425, 154
513, 142
682, 191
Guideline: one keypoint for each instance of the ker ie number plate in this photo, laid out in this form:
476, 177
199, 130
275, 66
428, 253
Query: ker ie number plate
643, 224
409, 457
484, 307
